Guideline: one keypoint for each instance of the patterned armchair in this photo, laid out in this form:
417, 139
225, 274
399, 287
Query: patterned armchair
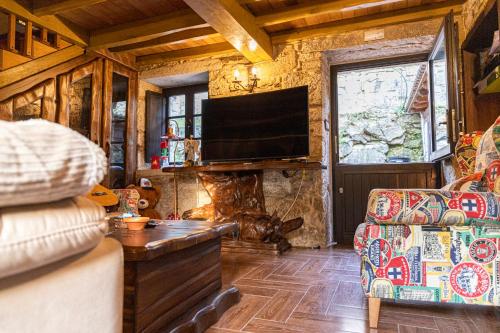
437, 245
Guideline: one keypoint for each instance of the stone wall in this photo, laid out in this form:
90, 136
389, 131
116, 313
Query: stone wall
299, 63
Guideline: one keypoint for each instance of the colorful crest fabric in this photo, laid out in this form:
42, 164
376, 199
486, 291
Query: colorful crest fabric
433, 207
489, 147
457, 264
465, 153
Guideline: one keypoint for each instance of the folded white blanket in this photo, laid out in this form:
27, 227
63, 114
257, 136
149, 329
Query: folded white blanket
41, 161
36, 235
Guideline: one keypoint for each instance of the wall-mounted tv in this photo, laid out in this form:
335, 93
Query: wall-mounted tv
271, 125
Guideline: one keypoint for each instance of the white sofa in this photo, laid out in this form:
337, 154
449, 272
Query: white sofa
57, 271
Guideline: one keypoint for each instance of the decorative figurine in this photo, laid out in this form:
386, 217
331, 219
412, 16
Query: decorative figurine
192, 151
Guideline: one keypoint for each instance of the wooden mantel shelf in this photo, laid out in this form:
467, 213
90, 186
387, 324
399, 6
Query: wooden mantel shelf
266, 165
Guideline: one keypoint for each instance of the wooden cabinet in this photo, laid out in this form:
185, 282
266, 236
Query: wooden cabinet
97, 98
119, 123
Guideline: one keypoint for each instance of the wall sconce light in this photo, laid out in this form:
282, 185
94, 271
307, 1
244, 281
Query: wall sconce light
252, 81
252, 45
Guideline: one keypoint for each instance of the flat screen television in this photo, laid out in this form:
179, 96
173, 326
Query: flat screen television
271, 125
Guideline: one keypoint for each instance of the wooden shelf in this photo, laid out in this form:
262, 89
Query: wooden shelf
266, 165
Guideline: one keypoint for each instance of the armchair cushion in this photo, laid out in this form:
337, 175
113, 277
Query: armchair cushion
433, 207
425, 263
489, 147
38, 235
465, 153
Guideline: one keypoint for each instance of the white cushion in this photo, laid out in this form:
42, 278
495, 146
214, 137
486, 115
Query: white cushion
41, 161
36, 235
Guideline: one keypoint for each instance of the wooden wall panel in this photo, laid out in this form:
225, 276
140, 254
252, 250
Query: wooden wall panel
357, 181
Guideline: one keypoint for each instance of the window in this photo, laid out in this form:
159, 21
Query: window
376, 121
184, 117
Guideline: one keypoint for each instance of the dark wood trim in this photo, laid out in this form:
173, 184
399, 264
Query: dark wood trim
155, 124
111, 67
210, 313
265, 165
381, 62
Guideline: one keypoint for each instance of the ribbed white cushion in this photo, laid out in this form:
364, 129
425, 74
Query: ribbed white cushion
41, 161
36, 235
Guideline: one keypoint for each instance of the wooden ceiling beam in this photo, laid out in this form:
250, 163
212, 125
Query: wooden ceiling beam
237, 25
190, 53
307, 10
142, 30
406, 15
172, 38
51, 7
50, 22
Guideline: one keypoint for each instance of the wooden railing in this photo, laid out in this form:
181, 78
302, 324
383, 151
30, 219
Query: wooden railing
17, 47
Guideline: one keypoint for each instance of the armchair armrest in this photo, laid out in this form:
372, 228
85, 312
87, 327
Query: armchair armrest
433, 207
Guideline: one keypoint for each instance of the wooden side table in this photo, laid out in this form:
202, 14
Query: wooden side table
173, 276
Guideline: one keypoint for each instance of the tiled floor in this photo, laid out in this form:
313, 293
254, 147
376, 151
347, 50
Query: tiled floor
319, 291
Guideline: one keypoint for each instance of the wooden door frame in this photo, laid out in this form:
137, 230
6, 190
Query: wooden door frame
94, 69
334, 150
111, 67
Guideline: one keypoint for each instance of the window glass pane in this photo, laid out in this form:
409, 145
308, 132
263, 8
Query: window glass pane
118, 153
375, 122
118, 130
198, 97
197, 127
176, 147
177, 105
179, 126
80, 106
440, 97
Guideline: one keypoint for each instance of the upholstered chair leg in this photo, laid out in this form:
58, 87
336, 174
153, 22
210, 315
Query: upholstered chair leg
373, 311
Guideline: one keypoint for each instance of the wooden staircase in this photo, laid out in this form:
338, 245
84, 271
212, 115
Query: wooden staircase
17, 48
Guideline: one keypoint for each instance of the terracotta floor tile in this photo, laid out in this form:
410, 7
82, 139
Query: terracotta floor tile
313, 266
262, 271
317, 299
240, 314
321, 289
413, 329
273, 284
281, 306
455, 326
257, 291
350, 294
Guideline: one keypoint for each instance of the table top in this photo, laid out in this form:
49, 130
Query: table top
167, 237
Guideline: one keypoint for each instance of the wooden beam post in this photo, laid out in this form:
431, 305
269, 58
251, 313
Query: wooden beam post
52, 7
190, 53
373, 311
11, 33
142, 30
237, 25
168, 39
28, 39
413, 14
307, 10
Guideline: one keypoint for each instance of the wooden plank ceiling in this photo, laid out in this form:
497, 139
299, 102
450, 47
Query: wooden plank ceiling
151, 30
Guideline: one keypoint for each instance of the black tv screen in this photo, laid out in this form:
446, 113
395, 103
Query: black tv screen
269, 125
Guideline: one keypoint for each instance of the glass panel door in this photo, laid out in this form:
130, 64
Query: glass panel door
118, 135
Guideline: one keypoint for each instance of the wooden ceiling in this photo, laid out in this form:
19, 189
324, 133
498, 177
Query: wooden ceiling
151, 30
